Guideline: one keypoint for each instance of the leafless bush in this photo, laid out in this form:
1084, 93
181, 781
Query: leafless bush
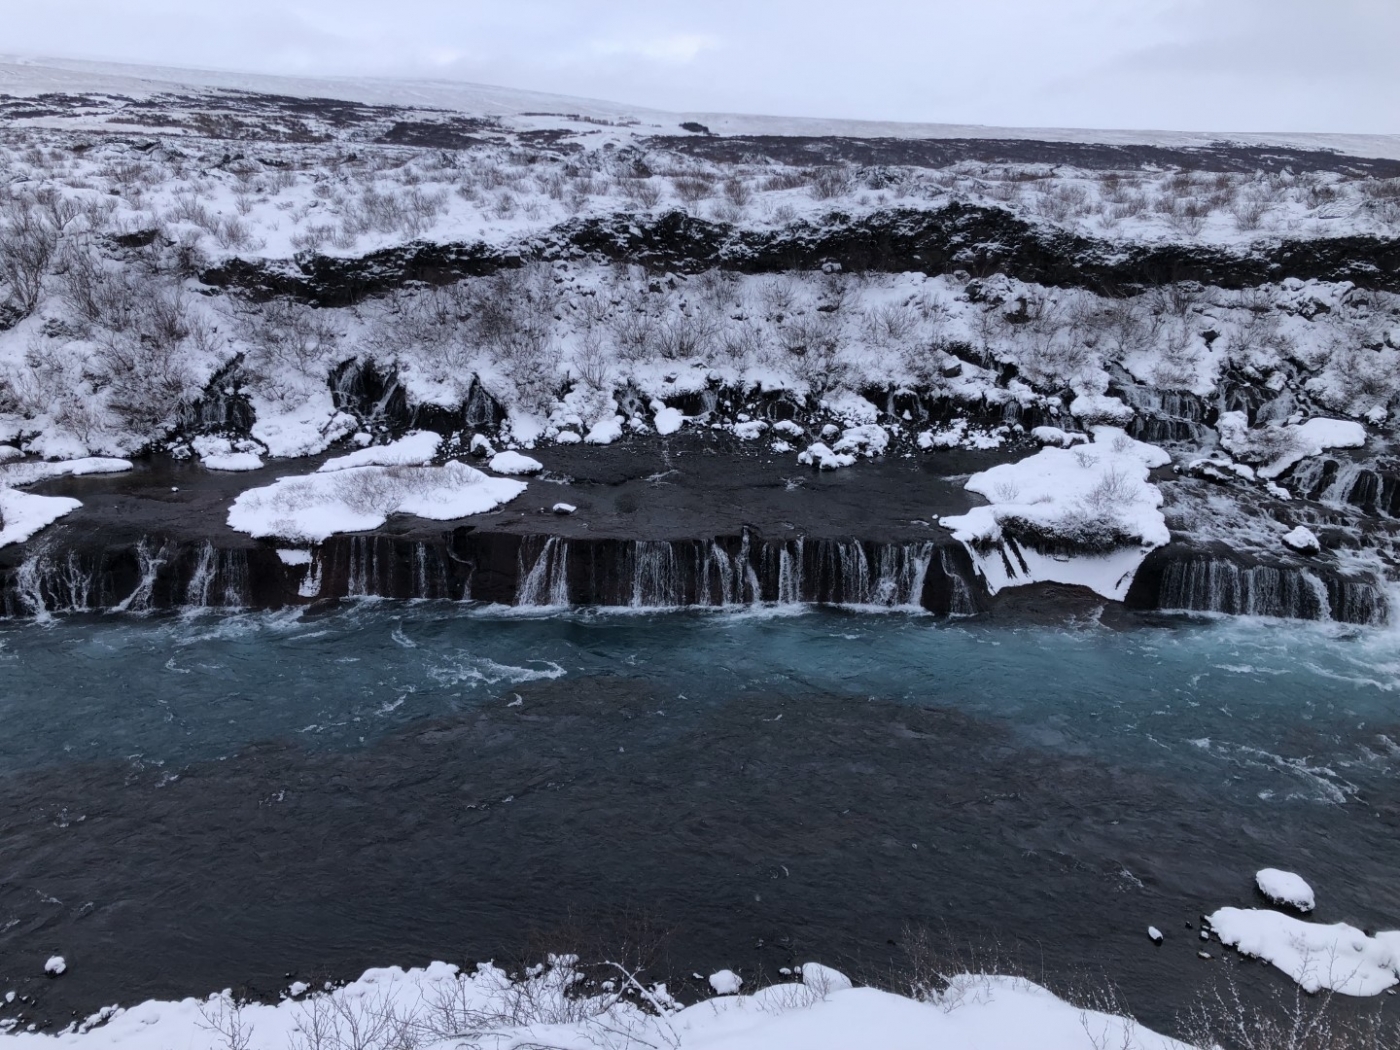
1291, 1022
345, 1022
737, 192
692, 189
28, 242
223, 1016
830, 182
642, 192
284, 335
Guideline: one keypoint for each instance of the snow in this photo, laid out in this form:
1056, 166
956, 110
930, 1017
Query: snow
823, 458
564, 508
1338, 957
219, 453
605, 431
293, 557
1095, 498
1313, 438
1284, 887
1057, 437
30, 472
726, 982
55, 966
869, 440
23, 514
824, 1012
304, 430
1154, 934
1100, 408
513, 463
1303, 540
666, 420
311, 508
415, 449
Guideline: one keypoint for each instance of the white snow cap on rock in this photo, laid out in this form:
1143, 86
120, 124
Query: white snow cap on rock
1284, 887
313, 507
605, 431
564, 508
55, 966
666, 420
1303, 540
823, 458
218, 453
23, 514
1337, 957
514, 463
823, 979
415, 449
726, 982
1088, 496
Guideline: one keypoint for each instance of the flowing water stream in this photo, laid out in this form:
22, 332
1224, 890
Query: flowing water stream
200, 801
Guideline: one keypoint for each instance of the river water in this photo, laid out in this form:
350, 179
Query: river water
192, 803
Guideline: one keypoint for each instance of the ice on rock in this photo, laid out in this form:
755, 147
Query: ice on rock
1284, 887
823, 458
1303, 540
726, 982
513, 463
1338, 957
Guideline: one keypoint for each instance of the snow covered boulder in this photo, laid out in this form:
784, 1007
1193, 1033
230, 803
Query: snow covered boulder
666, 420
1284, 887
605, 431
1057, 437
869, 440
824, 980
823, 458
1100, 408
1338, 957
221, 454
314, 507
726, 982
56, 966
514, 464
1084, 516
1303, 540
411, 450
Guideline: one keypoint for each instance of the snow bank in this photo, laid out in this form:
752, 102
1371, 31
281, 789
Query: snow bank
313, 507
514, 463
1280, 448
415, 449
32, 471
439, 1003
22, 514
1338, 957
1085, 516
305, 430
1284, 887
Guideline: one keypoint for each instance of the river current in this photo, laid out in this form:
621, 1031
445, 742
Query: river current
215, 800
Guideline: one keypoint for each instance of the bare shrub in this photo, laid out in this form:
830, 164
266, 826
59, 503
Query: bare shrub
28, 242
737, 191
831, 182
286, 336
642, 192
692, 189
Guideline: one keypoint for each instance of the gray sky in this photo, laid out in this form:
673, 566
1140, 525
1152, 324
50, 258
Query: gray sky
1194, 65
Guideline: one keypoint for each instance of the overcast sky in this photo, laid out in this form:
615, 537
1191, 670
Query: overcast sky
1198, 65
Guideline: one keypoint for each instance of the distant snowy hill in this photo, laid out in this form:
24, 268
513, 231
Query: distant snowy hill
20, 76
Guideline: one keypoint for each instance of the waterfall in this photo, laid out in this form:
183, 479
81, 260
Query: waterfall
46, 585
790, 573
656, 578
219, 579
1222, 586
546, 583
150, 562
961, 601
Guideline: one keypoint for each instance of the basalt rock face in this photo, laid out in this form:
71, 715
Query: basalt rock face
980, 240
493, 567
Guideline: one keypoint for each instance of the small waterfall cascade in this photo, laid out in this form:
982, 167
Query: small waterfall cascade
218, 580
726, 579
150, 560
1346, 483
544, 573
48, 583
961, 601
656, 577
1219, 585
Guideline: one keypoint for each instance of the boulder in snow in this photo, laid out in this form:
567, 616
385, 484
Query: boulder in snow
726, 982
514, 463
1303, 540
1284, 887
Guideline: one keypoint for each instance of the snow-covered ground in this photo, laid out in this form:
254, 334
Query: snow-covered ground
441, 1007
110, 342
